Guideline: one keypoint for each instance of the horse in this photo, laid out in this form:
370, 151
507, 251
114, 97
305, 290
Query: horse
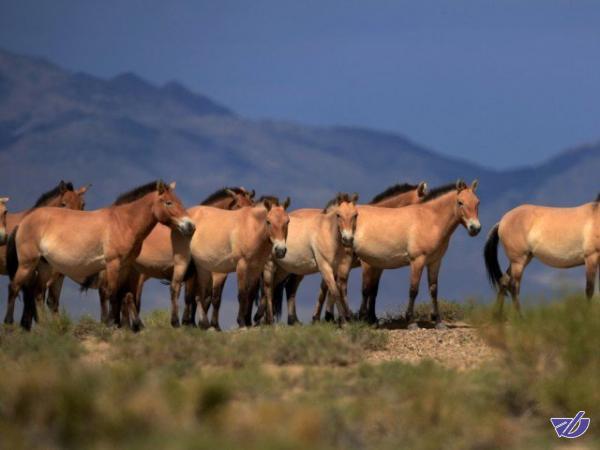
558, 237
63, 195
315, 243
418, 236
156, 260
3, 212
395, 196
80, 244
238, 241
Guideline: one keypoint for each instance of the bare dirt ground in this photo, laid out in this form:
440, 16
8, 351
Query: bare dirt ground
459, 348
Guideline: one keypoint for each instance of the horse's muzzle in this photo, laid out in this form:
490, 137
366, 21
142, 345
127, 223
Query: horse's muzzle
280, 252
187, 227
347, 241
473, 229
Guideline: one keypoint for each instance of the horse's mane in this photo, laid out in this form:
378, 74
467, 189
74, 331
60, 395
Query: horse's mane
221, 194
339, 198
396, 189
598, 198
274, 200
54, 192
438, 192
137, 193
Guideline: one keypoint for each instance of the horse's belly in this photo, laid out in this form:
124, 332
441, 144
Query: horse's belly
216, 263
560, 259
298, 264
77, 268
557, 251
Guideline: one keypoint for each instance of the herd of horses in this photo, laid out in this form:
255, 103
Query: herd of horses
148, 233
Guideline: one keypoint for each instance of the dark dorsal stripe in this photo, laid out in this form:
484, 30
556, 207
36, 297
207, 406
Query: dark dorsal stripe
339, 198
54, 192
438, 192
392, 191
221, 194
137, 193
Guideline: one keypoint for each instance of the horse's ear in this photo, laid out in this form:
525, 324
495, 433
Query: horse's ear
83, 189
267, 204
460, 185
474, 185
62, 186
422, 189
354, 198
4, 199
160, 186
252, 193
287, 202
230, 192
172, 185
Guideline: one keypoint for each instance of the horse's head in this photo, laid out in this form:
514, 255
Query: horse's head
3, 211
241, 197
346, 213
467, 206
70, 198
168, 209
277, 224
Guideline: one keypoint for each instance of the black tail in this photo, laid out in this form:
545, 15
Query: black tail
490, 254
89, 282
12, 259
278, 298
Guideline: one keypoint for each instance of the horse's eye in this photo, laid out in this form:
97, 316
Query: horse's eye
269, 222
63, 205
169, 203
460, 203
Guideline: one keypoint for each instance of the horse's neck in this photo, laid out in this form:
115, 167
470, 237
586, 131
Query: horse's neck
329, 221
444, 210
259, 216
222, 203
397, 201
138, 217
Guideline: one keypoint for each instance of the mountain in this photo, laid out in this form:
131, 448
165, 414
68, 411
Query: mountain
116, 133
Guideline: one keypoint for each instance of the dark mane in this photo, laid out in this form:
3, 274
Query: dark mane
274, 200
396, 189
136, 193
54, 192
339, 198
438, 192
221, 194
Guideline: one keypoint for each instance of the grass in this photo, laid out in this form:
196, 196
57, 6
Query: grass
82, 385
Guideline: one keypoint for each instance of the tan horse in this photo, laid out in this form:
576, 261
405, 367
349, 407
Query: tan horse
558, 237
63, 196
238, 241
417, 236
3, 213
395, 196
156, 260
316, 242
82, 243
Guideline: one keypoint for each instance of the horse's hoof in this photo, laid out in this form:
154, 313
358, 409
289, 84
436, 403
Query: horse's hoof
137, 325
215, 327
188, 323
175, 322
329, 317
316, 319
412, 326
9, 321
293, 321
441, 326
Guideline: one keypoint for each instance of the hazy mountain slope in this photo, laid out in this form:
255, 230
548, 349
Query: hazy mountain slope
124, 131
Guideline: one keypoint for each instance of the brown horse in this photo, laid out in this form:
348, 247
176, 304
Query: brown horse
395, 196
315, 243
63, 196
3, 212
238, 241
81, 243
156, 260
417, 235
558, 237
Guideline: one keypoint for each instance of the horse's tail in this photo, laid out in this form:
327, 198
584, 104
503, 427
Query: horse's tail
490, 254
12, 258
278, 298
89, 282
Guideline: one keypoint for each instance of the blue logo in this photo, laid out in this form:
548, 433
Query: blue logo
570, 428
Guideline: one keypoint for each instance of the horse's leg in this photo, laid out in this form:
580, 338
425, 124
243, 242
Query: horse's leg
111, 290
370, 286
265, 304
54, 288
591, 267
503, 287
189, 312
38, 289
343, 272
25, 272
202, 296
247, 276
516, 273
416, 270
252, 295
291, 288
323, 291
433, 271
138, 282
334, 291
218, 283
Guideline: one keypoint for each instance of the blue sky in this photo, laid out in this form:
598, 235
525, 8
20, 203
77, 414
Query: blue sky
502, 82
